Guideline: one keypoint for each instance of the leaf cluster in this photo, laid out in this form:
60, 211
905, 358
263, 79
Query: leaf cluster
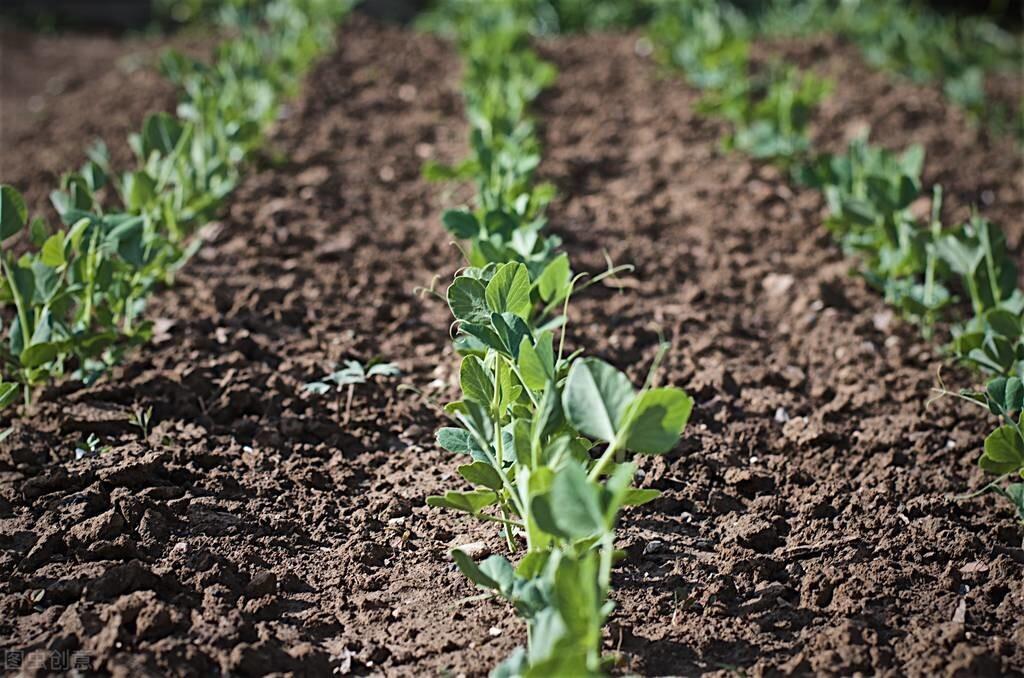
769, 110
916, 41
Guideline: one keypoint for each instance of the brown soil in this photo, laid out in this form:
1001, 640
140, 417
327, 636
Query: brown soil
809, 522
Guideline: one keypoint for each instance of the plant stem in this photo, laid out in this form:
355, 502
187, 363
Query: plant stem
348, 403
19, 303
599, 467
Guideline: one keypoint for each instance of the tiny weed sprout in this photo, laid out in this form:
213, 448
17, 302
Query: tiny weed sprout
140, 418
347, 378
90, 447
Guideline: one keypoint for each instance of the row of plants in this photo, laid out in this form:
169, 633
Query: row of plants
914, 40
74, 294
547, 434
958, 53
935, 274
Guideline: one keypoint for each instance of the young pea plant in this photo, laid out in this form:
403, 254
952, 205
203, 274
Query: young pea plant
1003, 452
347, 378
546, 437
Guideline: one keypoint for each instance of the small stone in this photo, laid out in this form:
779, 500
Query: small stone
781, 415
653, 546
475, 550
777, 284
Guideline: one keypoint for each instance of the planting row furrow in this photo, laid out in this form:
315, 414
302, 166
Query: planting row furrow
76, 293
921, 265
546, 432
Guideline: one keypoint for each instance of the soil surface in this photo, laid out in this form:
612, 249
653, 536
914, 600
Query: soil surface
809, 522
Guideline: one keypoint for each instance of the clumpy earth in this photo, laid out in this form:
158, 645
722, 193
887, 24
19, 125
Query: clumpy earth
810, 522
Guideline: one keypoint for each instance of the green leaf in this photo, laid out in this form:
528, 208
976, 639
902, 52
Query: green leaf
553, 283
457, 440
576, 597
656, 419
510, 330
1004, 451
472, 571
572, 509
140, 190
8, 394
470, 502
160, 132
636, 497
52, 253
1004, 322
467, 300
13, 213
1015, 493
595, 398
537, 361
501, 572
461, 223
38, 354
481, 473
476, 381
509, 290
1006, 394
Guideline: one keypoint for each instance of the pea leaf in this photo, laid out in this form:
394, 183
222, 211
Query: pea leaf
509, 290
655, 420
457, 440
38, 354
1004, 451
461, 224
595, 398
553, 283
481, 473
52, 253
470, 502
572, 509
510, 330
467, 299
13, 213
8, 394
637, 497
476, 382
537, 361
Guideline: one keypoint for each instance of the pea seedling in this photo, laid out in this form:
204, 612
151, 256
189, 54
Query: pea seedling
347, 378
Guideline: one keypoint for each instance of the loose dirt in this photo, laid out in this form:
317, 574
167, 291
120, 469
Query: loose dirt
809, 522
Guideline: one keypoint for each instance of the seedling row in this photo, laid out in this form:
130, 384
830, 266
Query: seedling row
78, 290
923, 267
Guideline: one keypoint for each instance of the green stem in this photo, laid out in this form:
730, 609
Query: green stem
19, 303
605, 459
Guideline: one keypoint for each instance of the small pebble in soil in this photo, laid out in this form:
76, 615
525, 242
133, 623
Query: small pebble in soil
781, 415
494, 631
475, 550
653, 546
